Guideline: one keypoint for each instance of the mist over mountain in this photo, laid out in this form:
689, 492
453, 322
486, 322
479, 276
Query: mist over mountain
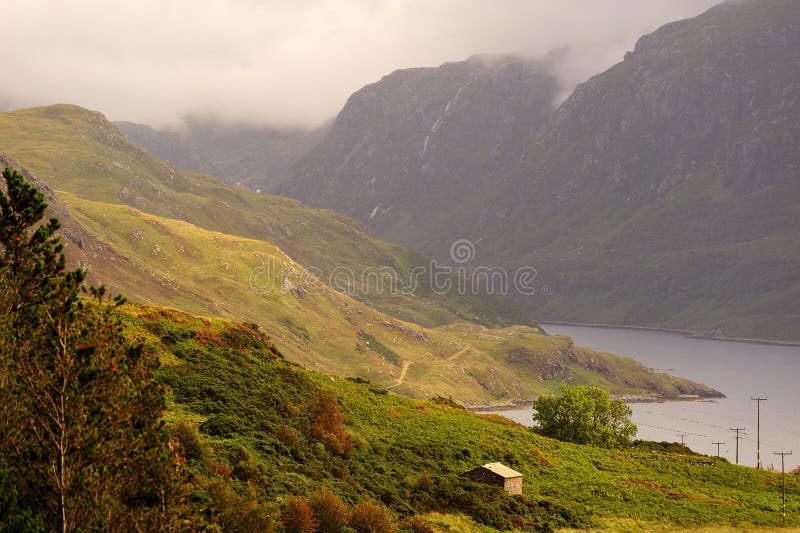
287, 64
663, 192
257, 157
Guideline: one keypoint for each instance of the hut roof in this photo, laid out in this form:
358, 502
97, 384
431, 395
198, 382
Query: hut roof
502, 470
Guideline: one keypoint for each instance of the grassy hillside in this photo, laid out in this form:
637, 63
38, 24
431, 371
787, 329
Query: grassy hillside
79, 152
257, 418
174, 263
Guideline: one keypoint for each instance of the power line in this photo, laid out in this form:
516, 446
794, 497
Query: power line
718, 445
737, 430
783, 479
758, 400
673, 430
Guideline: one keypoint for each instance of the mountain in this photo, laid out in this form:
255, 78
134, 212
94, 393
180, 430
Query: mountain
190, 242
407, 149
663, 192
256, 157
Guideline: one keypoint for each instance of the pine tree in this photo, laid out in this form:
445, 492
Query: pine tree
80, 432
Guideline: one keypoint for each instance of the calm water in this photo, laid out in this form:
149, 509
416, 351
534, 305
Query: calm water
738, 370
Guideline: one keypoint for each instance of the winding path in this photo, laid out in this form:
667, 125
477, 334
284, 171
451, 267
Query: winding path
460, 352
402, 376
404, 369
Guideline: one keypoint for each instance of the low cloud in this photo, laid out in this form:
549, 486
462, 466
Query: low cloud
287, 62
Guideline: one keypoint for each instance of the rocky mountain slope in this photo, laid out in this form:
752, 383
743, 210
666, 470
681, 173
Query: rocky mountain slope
664, 191
406, 149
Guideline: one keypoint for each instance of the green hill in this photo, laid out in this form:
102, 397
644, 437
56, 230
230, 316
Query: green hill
259, 434
177, 264
79, 152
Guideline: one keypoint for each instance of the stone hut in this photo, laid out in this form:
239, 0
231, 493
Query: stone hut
497, 474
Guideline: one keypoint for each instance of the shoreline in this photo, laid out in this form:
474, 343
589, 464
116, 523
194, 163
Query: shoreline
684, 332
526, 404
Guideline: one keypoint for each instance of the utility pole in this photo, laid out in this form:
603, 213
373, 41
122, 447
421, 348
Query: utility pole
737, 430
718, 445
682, 436
758, 400
783, 478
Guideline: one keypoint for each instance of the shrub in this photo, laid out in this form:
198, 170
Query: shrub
371, 517
416, 524
328, 425
288, 436
332, 513
246, 471
215, 468
189, 437
222, 426
241, 513
298, 516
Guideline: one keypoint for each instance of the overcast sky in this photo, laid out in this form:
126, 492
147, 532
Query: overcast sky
287, 62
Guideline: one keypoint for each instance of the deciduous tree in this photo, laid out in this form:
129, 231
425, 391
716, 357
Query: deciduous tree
584, 415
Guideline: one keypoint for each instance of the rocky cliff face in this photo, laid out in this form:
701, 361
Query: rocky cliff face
718, 92
665, 190
407, 149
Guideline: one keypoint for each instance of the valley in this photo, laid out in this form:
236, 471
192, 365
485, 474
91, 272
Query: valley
497, 294
190, 242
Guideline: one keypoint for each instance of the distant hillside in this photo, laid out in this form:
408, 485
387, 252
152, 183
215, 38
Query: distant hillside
174, 263
251, 156
664, 192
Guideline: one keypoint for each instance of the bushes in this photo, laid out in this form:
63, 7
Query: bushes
327, 513
328, 425
298, 516
371, 517
332, 513
189, 438
241, 513
223, 426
